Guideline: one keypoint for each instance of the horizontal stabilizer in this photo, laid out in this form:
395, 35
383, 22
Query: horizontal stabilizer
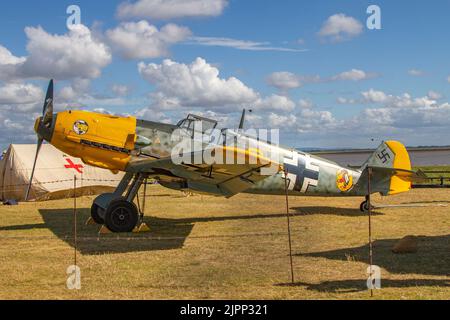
405, 175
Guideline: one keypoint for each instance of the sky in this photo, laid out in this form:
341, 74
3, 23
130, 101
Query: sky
312, 69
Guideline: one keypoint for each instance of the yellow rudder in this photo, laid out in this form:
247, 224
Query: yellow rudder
401, 161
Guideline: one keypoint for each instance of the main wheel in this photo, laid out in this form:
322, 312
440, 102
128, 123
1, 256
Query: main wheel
121, 216
95, 215
364, 207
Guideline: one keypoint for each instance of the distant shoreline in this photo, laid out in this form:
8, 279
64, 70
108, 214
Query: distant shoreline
419, 156
354, 151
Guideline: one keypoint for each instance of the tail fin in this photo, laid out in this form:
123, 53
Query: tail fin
391, 167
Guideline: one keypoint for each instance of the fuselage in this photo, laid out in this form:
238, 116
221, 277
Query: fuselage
112, 143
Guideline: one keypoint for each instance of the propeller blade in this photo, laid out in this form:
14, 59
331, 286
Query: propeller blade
39, 145
47, 111
241, 124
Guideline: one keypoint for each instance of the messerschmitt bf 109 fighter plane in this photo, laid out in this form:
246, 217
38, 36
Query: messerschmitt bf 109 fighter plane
240, 162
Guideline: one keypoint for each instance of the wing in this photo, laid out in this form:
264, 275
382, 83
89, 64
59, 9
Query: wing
238, 171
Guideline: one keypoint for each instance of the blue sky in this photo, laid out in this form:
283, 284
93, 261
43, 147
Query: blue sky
309, 68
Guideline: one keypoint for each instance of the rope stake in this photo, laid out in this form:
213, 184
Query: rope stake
370, 224
288, 224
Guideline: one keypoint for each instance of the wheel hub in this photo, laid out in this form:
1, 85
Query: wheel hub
120, 216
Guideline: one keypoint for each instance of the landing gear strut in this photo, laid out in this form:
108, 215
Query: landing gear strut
117, 210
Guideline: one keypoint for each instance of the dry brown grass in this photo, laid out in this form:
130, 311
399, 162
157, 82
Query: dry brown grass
212, 248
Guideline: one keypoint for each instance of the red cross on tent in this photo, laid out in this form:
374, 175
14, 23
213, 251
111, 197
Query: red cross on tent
72, 165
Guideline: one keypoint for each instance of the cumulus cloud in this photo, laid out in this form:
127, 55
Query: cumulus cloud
121, 90
305, 104
196, 84
281, 121
434, 95
20, 94
170, 9
73, 55
72, 92
17, 127
316, 121
140, 40
396, 116
76, 56
79, 94
9, 64
342, 100
284, 80
340, 27
405, 100
448, 79
275, 102
353, 75
374, 96
407, 118
304, 122
7, 58
401, 101
17, 101
154, 115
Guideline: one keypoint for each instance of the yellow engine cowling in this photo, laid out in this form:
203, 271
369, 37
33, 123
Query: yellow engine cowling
100, 140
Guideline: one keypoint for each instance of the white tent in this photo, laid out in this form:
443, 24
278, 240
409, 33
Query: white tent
54, 175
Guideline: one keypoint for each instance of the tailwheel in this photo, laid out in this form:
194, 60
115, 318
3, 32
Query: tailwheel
95, 215
364, 207
121, 216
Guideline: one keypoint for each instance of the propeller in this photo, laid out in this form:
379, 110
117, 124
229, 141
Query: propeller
241, 123
47, 112
42, 128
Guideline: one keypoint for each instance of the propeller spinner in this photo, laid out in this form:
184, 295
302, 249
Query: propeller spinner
44, 129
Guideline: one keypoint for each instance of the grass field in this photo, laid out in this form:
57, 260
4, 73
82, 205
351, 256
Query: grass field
213, 248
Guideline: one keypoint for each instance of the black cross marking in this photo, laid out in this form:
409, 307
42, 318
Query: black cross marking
301, 172
384, 156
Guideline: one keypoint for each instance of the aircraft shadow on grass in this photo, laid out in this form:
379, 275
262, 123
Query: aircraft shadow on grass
345, 212
432, 257
165, 234
356, 285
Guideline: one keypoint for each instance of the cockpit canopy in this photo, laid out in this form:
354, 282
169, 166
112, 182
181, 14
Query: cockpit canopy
194, 122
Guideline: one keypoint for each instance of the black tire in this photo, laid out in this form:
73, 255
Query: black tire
121, 216
95, 214
364, 207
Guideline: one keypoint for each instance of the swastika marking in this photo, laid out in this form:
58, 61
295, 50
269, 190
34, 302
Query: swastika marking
384, 156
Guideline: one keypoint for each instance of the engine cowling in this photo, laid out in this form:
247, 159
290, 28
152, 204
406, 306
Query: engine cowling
100, 140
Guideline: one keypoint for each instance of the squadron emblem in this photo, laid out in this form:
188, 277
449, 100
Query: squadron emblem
80, 127
344, 180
